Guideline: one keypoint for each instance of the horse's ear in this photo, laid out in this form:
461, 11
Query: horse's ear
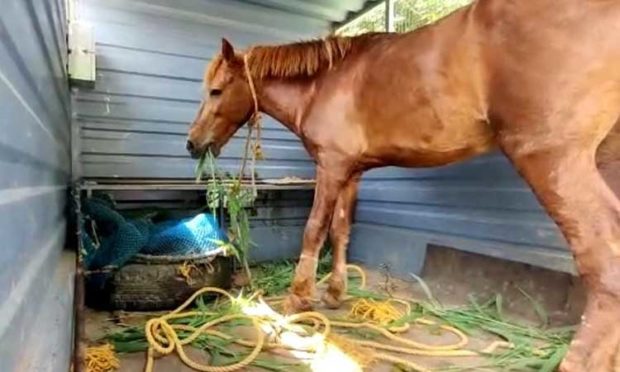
228, 52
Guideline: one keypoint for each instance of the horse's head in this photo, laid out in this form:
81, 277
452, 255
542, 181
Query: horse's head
227, 104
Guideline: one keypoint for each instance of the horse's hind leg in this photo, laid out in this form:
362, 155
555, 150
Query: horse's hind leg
564, 177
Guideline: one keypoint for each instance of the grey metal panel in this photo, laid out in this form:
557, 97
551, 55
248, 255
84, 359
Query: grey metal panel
155, 87
494, 169
151, 58
398, 250
481, 205
28, 220
276, 242
226, 14
125, 60
403, 250
123, 166
51, 352
35, 166
505, 226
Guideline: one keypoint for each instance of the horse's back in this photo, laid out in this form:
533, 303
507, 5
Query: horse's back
428, 97
555, 59
553, 66
541, 44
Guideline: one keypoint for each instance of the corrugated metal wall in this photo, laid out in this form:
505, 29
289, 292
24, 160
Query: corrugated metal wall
482, 206
150, 62
35, 287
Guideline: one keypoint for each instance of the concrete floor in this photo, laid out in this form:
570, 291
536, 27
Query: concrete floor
478, 275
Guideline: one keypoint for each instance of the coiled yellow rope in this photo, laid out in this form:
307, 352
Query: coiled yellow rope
163, 338
101, 359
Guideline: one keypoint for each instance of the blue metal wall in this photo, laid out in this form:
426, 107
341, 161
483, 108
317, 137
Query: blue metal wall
482, 206
35, 288
150, 61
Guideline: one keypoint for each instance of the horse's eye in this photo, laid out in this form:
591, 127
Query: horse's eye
215, 92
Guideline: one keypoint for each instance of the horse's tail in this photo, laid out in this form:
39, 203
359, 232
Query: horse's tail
608, 158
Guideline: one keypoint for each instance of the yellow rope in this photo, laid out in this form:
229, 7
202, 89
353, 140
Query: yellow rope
101, 359
254, 122
163, 339
377, 316
380, 312
185, 270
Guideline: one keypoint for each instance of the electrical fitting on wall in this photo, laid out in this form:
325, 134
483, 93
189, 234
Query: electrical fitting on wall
81, 42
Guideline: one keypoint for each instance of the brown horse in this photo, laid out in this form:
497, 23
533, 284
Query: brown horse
540, 79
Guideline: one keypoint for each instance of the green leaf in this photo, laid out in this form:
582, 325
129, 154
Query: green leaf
538, 308
554, 360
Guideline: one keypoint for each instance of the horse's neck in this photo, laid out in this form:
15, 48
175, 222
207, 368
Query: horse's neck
286, 101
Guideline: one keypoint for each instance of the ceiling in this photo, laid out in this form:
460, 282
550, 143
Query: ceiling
332, 11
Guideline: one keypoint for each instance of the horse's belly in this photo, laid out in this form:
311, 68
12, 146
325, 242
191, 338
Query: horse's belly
416, 157
431, 145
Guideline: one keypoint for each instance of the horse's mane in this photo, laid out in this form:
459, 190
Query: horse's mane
300, 59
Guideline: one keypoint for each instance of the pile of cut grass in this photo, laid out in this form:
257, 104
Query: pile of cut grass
536, 348
274, 278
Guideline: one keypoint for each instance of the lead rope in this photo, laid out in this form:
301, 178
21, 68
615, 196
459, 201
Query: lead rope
253, 122
165, 334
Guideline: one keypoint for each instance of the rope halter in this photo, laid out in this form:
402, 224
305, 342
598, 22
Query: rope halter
253, 122
254, 119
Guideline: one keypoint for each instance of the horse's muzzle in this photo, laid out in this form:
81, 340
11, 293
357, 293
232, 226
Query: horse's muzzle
193, 151
197, 152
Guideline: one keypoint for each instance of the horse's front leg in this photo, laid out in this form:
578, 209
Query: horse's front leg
339, 232
329, 183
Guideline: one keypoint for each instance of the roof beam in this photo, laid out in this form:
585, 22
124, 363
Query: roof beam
331, 14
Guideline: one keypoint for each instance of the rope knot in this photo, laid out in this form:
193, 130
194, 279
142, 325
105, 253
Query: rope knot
255, 119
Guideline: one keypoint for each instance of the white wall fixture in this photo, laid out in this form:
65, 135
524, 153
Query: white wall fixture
82, 59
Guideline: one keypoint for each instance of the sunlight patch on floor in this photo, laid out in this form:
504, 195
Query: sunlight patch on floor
311, 349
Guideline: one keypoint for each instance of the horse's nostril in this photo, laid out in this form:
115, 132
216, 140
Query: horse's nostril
189, 146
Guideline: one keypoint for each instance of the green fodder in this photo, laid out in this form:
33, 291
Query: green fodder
274, 278
225, 192
534, 348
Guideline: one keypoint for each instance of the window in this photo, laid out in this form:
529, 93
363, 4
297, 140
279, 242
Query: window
371, 21
406, 15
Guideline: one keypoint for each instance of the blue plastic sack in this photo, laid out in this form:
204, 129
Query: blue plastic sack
189, 236
118, 239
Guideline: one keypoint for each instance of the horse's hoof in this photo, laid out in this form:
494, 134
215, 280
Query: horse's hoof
569, 367
596, 346
334, 295
602, 358
331, 300
295, 304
